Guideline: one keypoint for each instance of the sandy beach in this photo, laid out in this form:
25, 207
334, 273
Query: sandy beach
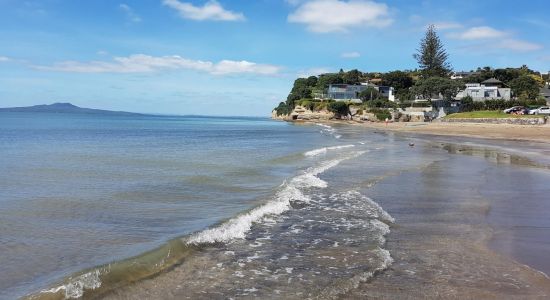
534, 133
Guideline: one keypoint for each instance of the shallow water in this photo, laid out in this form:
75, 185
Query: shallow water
251, 208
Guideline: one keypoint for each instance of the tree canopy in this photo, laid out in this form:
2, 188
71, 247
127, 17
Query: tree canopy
431, 56
434, 86
525, 86
399, 80
339, 107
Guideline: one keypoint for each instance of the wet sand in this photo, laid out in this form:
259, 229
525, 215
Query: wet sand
445, 245
536, 133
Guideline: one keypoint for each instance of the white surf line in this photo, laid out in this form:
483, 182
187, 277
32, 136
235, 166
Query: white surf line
75, 287
323, 150
237, 227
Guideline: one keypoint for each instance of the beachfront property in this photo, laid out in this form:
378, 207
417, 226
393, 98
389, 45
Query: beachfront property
350, 92
545, 92
489, 89
345, 91
387, 92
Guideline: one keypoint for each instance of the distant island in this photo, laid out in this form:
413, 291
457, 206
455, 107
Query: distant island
64, 108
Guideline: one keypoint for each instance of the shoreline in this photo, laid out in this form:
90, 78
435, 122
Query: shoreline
508, 132
378, 284
448, 246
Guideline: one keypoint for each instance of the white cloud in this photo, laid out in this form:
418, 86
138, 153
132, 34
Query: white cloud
141, 63
4, 59
478, 33
323, 16
351, 54
495, 39
211, 10
518, 45
130, 14
232, 67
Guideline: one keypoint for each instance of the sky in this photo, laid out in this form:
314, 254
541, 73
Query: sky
240, 57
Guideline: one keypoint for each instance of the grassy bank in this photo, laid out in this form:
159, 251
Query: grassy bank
494, 114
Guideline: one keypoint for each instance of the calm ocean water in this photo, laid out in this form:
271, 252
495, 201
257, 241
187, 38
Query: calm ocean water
78, 191
247, 207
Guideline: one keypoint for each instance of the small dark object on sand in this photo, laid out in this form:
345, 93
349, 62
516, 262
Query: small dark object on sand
411, 144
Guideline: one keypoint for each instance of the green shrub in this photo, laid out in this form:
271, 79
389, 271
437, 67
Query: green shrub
283, 109
467, 104
339, 108
307, 103
381, 114
321, 105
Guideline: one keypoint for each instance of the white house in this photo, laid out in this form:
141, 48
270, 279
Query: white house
350, 92
488, 89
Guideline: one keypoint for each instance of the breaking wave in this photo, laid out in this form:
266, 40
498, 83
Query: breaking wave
290, 191
100, 280
324, 150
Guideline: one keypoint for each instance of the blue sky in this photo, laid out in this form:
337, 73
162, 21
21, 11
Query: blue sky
240, 57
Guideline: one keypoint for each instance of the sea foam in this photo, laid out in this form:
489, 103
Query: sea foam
324, 150
76, 286
237, 227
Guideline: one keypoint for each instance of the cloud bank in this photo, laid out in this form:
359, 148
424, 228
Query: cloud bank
141, 63
496, 39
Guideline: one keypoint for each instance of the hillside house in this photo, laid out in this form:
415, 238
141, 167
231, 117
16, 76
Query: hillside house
489, 89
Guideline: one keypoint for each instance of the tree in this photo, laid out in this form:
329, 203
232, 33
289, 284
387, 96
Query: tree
330, 78
525, 86
399, 80
434, 86
311, 81
432, 57
340, 108
301, 90
352, 77
506, 75
283, 109
538, 79
368, 94
467, 104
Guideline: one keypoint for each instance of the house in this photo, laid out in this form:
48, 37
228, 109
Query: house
345, 91
545, 92
350, 92
461, 75
489, 89
387, 92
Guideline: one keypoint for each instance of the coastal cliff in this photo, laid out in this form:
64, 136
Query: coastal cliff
302, 113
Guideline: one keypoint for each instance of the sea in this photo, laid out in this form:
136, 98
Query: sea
138, 206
